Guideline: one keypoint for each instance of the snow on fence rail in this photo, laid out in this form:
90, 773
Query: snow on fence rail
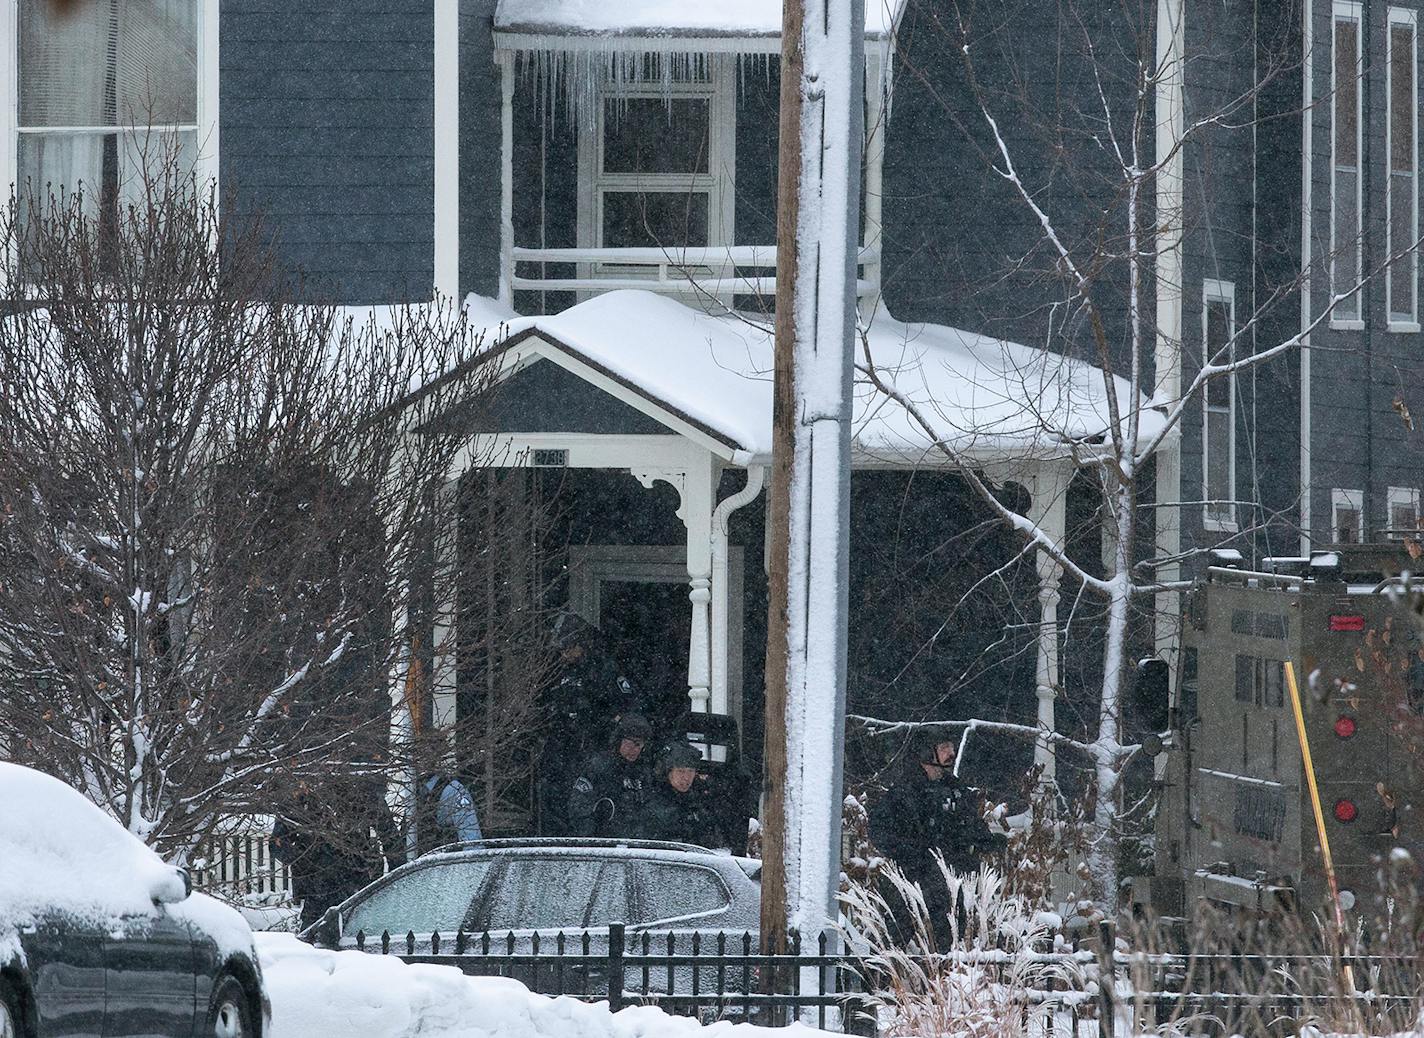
725, 976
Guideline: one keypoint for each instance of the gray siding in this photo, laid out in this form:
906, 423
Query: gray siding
959, 247
1226, 192
327, 131
480, 161
1358, 440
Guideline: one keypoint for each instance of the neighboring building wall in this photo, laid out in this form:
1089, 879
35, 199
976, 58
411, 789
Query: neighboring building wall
1359, 441
327, 131
1278, 187
1220, 252
960, 247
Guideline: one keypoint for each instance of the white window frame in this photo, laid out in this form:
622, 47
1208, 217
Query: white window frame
1406, 496
1404, 319
719, 181
1224, 519
205, 129
1348, 11
1347, 499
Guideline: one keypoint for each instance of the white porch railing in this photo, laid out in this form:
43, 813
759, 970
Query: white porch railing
720, 271
237, 864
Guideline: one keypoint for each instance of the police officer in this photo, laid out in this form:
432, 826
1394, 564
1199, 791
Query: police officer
678, 808
927, 809
610, 793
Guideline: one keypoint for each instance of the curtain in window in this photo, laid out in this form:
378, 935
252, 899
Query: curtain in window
108, 63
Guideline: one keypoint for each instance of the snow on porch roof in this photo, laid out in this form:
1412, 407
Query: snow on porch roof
986, 398
662, 19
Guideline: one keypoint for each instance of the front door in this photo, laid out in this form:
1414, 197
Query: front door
150, 969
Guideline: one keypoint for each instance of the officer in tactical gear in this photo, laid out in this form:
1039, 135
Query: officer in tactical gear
678, 809
927, 809
610, 795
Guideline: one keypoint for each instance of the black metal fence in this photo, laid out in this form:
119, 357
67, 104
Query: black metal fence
1094, 989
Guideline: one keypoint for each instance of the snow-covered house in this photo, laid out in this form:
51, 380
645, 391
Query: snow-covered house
600, 179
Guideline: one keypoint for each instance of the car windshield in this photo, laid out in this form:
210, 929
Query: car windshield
559, 893
425, 900
671, 891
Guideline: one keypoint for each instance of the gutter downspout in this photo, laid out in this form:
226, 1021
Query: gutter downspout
721, 517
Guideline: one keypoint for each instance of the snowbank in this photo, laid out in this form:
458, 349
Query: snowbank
324, 994
60, 851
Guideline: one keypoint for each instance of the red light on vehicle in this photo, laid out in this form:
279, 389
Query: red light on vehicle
1345, 811
1344, 726
1346, 622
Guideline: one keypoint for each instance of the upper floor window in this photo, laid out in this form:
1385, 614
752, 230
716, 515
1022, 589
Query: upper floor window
657, 159
104, 88
1402, 193
1219, 406
1348, 516
1403, 515
1345, 147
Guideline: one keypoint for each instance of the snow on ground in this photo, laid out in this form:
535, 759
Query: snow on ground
317, 993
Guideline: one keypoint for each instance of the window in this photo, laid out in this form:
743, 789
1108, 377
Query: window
1260, 682
427, 900
1345, 147
658, 155
1348, 516
1402, 192
1219, 407
670, 892
558, 894
1403, 515
102, 85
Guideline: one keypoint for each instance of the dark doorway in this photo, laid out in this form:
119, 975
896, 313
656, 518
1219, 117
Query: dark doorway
646, 627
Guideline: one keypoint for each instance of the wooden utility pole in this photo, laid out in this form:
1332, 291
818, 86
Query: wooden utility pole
817, 225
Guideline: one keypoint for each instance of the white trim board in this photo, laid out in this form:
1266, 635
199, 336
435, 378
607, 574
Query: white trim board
446, 264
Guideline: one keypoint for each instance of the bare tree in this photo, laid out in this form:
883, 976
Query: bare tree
1081, 162
214, 497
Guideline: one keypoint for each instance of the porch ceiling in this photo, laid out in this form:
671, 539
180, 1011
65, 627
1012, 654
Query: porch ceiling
709, 379
522, 24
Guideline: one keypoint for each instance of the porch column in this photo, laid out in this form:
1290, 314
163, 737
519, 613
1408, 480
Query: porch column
696, 485
1049, 487
696, 515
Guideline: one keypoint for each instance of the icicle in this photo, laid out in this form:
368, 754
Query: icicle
572, 81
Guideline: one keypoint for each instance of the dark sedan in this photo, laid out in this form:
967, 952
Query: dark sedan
99, 937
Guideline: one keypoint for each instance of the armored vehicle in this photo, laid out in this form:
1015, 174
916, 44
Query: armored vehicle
1236, 822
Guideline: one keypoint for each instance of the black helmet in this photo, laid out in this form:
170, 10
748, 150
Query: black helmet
633, 726
679, 755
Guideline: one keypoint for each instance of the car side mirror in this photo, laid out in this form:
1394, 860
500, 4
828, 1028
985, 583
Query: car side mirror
174, 888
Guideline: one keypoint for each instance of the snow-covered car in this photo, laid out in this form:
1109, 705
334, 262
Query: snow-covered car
547, 887
98, 935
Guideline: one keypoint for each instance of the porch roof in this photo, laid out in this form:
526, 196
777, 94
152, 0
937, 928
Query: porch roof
526, 23
711, 377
